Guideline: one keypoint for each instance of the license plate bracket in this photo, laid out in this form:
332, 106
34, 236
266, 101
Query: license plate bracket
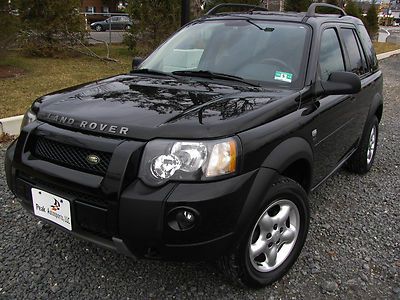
52, 207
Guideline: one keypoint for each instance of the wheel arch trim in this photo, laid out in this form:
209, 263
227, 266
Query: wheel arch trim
376, 105
288, 152
284, 155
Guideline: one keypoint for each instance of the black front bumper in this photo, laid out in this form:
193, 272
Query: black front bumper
119, 212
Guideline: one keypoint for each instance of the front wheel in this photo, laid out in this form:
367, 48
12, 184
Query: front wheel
275, 240
98, 28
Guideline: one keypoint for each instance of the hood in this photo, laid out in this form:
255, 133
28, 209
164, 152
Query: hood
144, 107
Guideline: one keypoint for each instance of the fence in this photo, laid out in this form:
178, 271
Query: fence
109, 28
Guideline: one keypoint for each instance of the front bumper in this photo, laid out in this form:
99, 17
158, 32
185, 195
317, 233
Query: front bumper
119, 212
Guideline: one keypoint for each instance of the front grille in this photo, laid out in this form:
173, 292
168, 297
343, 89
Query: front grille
67, 193
71, 156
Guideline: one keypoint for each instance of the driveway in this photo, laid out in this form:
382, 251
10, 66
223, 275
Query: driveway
394, 36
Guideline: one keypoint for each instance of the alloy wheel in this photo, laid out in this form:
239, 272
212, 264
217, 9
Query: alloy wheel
274, 235
371, 145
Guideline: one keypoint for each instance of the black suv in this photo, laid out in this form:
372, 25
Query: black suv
209, 148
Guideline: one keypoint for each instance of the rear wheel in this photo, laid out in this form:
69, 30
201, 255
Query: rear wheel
275, 240
128, 27
362, 160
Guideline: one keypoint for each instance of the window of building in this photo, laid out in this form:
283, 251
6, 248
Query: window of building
105, 9
91, 9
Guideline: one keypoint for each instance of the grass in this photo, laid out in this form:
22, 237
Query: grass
385, 47
45, 75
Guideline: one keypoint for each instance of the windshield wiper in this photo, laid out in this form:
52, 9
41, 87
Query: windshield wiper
153, 72
214, 75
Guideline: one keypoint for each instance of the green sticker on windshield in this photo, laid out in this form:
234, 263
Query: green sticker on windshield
283, 76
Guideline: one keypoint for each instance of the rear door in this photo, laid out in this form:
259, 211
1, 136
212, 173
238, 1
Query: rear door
356, 63
115, 23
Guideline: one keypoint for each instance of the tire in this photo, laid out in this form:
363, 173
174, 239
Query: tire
128, 27
243, 266
98, 28
363, 159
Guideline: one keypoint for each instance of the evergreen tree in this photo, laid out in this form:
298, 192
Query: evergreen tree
9, 24
371, 20
210, 4
353, 9
333, 2
50, 26
154, 21
328, 10
297, 5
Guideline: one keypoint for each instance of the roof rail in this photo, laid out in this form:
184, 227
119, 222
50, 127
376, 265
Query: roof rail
311, 10
215, 9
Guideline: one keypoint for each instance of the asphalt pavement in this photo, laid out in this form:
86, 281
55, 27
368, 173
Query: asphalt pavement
393, 36
352, 250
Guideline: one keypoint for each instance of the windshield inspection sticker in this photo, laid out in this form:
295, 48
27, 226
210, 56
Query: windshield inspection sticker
283, 76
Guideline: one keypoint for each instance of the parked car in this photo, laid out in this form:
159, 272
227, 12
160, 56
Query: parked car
210, 147
113, 23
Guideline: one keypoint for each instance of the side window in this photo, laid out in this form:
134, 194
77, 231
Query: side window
368, 47
330, 56
356, 57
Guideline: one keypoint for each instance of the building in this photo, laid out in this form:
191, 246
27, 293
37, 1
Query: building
98, 6
96, 10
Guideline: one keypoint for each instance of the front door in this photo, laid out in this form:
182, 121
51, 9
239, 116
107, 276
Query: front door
334, 119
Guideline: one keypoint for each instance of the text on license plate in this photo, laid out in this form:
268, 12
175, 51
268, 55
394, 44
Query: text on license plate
52, 208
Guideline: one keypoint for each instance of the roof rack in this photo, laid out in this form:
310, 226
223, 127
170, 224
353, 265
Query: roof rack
215, 9
311, 10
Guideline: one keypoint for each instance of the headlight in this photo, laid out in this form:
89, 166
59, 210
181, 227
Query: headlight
165, 160
29, 117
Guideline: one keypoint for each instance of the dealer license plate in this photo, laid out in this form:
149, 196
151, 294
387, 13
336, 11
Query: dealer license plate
52, 208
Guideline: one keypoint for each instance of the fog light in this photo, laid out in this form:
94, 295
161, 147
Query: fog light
182, 219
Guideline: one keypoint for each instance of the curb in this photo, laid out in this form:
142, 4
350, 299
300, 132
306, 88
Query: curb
11, 126
387, 54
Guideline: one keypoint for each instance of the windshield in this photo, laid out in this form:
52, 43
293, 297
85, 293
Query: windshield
270, 53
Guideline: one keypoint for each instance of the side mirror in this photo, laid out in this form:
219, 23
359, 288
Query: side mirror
136, 62
339, 83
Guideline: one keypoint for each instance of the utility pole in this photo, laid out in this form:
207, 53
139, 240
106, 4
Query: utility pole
185, 15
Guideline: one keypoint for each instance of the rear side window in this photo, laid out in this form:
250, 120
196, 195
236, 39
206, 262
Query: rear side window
368, 47
330, 56
356, 56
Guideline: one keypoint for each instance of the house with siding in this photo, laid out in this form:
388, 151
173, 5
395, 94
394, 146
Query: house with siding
96, 10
